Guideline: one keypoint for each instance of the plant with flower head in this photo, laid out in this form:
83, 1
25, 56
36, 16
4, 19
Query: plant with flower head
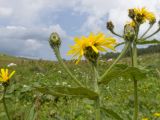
90, 48
132, 38
5, 78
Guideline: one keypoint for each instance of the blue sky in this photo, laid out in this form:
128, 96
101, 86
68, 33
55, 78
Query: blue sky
25, 25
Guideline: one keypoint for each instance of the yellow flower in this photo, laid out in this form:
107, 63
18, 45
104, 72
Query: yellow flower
156, 114
132, 23
5, 76
141, 15
97, 43
145, 118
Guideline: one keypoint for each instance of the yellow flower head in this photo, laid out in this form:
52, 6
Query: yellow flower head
156, 114
95, 42
145, 119
132, 23
5, 76
141, 15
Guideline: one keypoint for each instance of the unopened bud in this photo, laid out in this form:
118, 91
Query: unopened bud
54, 40
129, 33
131, 13
110, 26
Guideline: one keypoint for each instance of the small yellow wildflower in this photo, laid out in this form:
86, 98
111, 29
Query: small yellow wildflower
97, 43
156, 114
4, 75
145, 118
132, 23
141, 15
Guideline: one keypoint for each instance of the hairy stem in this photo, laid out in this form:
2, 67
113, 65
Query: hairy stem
117, 34
134, 55
153, 33
118, 58
57, 53
96, 88
4, 103
146, 31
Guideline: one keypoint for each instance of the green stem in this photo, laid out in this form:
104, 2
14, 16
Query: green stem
57, 53
134, 64
4, 103
96, 88
118, 58
146, 31
153, 33
117, 34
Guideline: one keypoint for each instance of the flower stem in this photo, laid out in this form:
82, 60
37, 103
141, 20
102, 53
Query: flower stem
116, 34
146, 31
118, 58
57, 53
153, 33
134, 55
4, 103
96, 88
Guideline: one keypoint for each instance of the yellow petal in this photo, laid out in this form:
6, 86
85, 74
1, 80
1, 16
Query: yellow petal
11, 74
2, 72
94, 48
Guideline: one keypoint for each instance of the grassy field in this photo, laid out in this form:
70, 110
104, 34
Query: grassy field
22, 98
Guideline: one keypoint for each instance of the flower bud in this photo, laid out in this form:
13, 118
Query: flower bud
129, 32
131, 14
91, 55
110, 26
54, 40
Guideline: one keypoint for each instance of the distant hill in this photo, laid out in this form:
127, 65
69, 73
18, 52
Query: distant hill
141, 51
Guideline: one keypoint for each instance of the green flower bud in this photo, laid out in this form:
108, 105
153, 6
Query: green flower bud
54, 40
129, 32
110, 26
131, 14
91, 55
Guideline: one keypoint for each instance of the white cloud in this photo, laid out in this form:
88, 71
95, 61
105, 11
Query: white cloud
32, 44
5, 12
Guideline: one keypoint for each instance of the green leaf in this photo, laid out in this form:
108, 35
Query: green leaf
32, 114
111, 113
125, 72
143, 42
119, 44
68, 91
114, 73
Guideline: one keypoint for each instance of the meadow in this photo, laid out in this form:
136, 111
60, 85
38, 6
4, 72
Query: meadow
26, 103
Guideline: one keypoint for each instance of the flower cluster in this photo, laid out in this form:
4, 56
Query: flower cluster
91, 46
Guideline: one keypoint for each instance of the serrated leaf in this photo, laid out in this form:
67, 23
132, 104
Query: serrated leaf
68, 91
111, 113
125, 72
143, 42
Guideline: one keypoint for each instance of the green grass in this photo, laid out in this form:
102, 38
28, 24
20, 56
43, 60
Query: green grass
118, 95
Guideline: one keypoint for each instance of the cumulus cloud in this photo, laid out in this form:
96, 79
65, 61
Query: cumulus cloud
25, 33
